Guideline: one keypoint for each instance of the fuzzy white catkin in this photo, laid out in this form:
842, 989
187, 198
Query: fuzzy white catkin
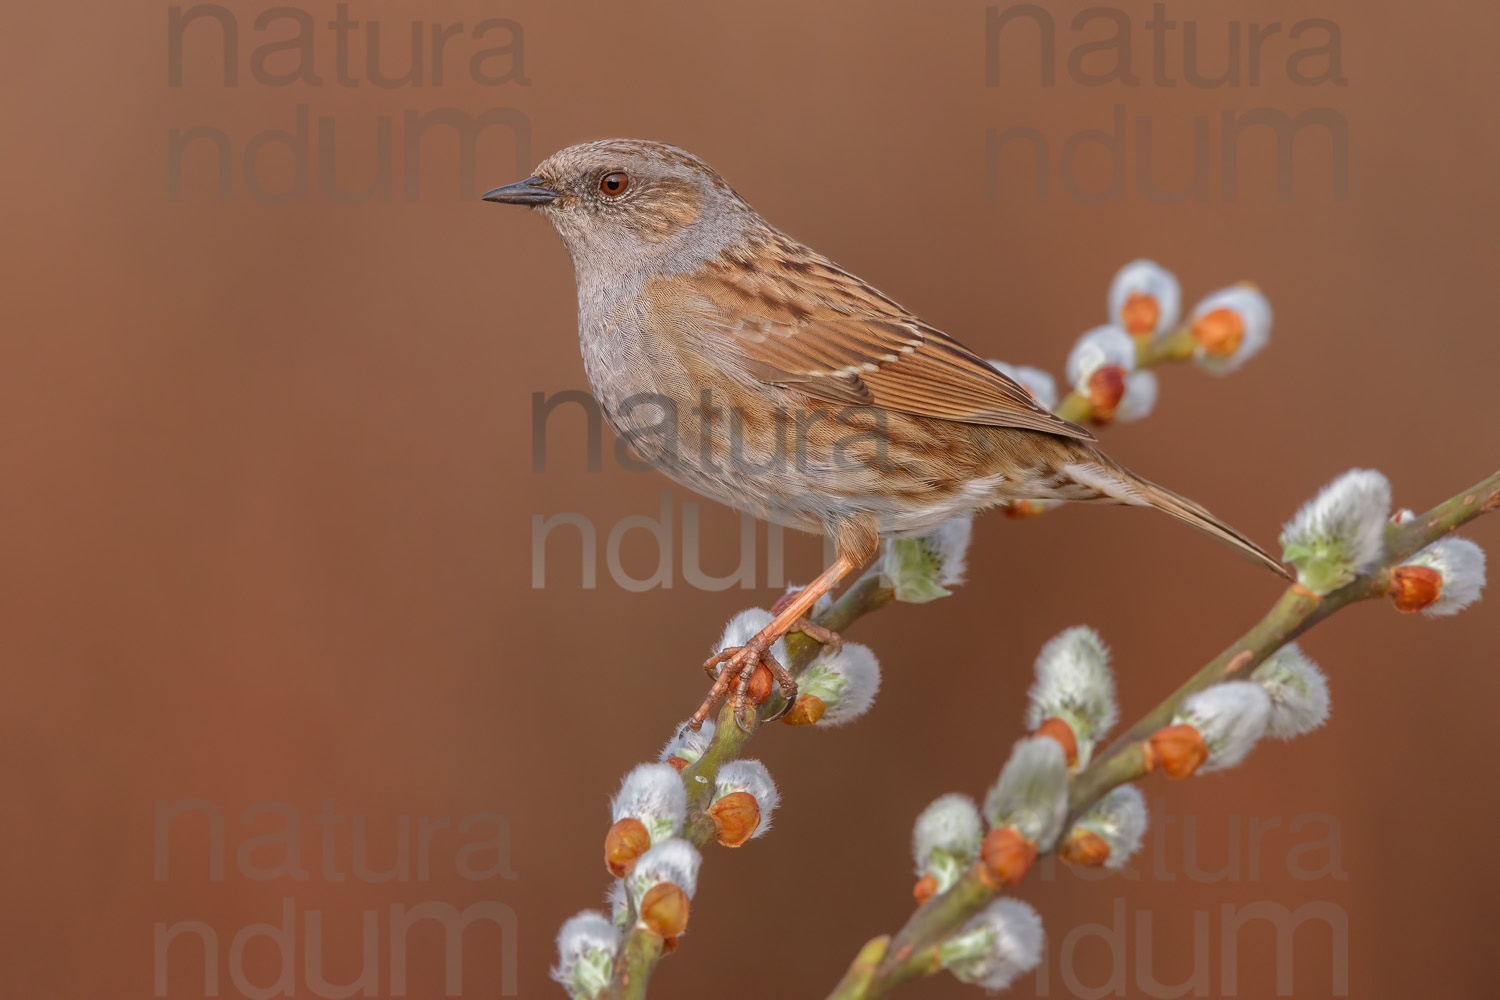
998, 945
1121, 819
675, 861
846, 682
920, 569
1254, 310
1146, 277
1100, 347
745, 626
1034, 380
688, 743
1461, 564
586, 946
1032, 793
1140, 397
949, 546
1340, 532
1298, 690
653, 794
1074, 683
951, 824
1231, 717
749, 776
618, 901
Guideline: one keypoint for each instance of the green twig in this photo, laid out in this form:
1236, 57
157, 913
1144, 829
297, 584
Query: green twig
869, 593
909, 952
638, 957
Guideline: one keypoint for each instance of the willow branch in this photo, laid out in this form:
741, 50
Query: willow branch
1297, 611
912, 951
638, 957
869, 593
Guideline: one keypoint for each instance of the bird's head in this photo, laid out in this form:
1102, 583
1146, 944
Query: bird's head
631, 200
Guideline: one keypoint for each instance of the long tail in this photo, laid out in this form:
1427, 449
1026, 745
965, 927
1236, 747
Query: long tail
1106, 481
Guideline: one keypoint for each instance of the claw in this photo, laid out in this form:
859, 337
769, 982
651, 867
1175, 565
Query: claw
736, 666
732, 670
740, 701
785, 681
696, 720
740, 715
722, 681
788, 702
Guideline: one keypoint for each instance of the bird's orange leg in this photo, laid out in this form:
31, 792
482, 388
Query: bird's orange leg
736, 664
826, 636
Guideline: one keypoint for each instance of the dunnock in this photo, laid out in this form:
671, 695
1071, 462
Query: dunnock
761, 374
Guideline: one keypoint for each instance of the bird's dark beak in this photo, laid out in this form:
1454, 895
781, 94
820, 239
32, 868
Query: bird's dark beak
531, 191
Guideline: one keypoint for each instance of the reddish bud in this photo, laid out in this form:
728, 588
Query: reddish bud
1086, 849
1219, 332
1005, 857
1023, 508
626, 841
735, 817
664, 911
1140, 313
760, 685
1178, 750
925, 889
1415, 587
680, 763
1060, 731
808, 709
1106, 387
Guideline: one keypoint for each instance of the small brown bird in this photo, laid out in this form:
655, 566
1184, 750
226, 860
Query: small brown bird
761, 374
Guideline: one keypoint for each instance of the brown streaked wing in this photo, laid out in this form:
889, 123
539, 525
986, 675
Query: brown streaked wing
796, 319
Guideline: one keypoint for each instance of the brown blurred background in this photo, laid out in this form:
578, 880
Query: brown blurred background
267, 521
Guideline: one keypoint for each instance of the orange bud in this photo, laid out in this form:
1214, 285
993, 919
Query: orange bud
1085, 848
664, 911
808, 710
1023, 508
680, 763
1005, 856
1140, 313
760, 685
626, 841
1415, 587
1106, 387
1063, 734
925, 889
735, 817
1178, 750
1219, 332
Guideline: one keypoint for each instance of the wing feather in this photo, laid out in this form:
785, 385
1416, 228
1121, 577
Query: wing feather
795, 319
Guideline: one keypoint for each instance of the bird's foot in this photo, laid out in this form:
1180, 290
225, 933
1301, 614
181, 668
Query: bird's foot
736, 667
832, 642
828, 637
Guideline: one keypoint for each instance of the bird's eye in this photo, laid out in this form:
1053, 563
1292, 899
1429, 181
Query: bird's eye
615, 183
